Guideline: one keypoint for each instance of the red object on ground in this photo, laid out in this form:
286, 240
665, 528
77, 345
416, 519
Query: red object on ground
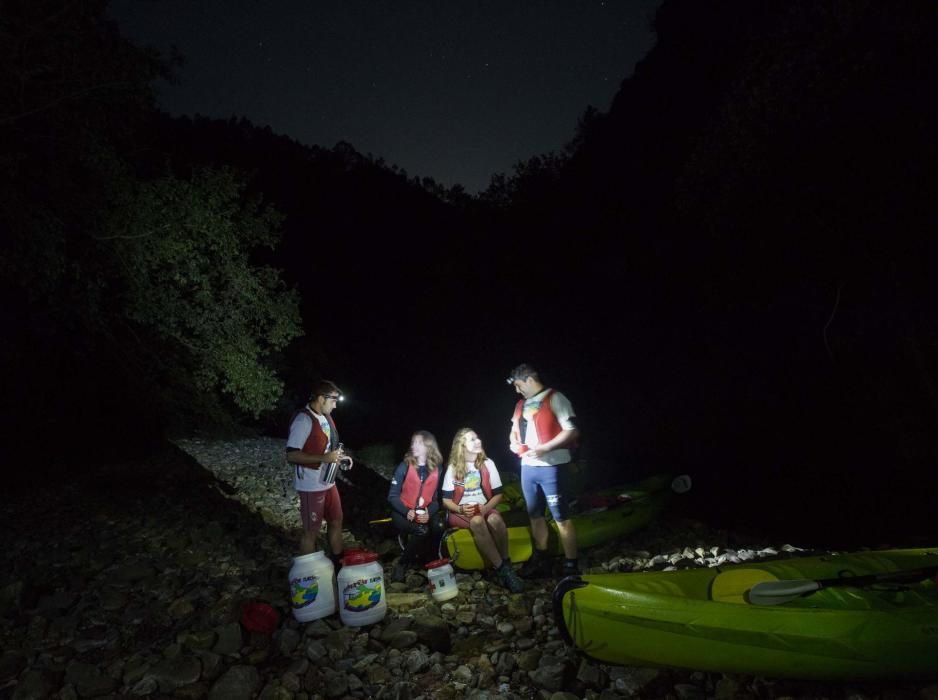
259, 617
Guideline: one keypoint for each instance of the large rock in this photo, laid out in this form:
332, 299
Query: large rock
237, 683
89, 681
433, 631
174, 673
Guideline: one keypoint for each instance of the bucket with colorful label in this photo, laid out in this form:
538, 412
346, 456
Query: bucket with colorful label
361, 589
312, 587
442, 579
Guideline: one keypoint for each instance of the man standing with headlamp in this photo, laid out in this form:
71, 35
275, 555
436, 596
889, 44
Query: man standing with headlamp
542, 433
313, 444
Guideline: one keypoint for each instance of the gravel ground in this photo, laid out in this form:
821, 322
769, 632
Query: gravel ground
129, 583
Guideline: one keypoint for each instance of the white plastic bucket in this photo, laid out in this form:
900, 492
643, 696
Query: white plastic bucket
442, 580
361, 589
312, 586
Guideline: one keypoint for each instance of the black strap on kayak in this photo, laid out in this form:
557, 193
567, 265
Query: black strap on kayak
566, 585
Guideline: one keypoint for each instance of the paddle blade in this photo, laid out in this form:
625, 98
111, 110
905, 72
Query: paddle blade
733, 586
681, 484
778, 592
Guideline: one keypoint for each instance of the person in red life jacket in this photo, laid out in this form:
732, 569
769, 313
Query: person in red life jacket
415, 500
472, 487
314, 442
542, 433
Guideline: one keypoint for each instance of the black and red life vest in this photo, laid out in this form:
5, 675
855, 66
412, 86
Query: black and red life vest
412, 487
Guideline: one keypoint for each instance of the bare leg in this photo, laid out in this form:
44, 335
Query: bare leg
567, 538
334, 532
483, 540
499, 534
308, 543
539, 533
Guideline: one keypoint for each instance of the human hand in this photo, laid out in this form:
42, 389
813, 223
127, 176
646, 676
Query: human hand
518, 448
534, 452
411, 514
421, 516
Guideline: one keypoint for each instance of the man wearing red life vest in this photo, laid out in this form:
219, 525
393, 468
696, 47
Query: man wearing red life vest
313, 442
542, 433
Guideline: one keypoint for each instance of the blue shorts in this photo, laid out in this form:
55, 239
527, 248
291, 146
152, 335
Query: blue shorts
550, 484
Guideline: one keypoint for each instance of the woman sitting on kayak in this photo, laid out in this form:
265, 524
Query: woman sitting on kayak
472, 488
414, 499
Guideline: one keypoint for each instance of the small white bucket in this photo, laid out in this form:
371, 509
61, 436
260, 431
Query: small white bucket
442, 580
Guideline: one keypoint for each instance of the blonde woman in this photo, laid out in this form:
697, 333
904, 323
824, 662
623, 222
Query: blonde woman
415, 498
472, 488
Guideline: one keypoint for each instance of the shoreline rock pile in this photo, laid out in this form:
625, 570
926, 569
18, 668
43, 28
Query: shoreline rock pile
130, 582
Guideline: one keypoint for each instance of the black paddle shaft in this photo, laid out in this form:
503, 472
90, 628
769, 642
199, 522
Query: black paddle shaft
892, 576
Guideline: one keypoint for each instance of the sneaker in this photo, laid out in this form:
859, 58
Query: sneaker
507, 578
538, 566
399, 575
570, 568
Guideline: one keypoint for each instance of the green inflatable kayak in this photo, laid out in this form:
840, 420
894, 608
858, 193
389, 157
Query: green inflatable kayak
854, 616
599, 517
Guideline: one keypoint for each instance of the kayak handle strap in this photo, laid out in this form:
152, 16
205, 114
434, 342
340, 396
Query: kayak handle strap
566, 585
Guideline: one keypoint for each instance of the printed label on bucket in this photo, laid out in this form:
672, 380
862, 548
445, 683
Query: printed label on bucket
361, 595
304, 591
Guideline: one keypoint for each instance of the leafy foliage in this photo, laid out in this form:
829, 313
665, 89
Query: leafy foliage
182, 251
128, 282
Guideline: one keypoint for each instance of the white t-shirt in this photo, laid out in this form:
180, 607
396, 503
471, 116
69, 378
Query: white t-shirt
472, 483
563, 411
307, 479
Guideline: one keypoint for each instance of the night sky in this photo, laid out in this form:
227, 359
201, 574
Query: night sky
452, 90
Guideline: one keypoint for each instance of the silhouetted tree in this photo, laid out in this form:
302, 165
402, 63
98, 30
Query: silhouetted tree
126, 290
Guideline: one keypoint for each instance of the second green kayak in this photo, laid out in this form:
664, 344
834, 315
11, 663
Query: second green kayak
765, 618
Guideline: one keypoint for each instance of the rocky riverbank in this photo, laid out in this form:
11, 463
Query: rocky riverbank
130, 581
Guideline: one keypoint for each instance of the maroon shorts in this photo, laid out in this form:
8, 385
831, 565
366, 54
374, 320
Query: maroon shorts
456, 520
316, 506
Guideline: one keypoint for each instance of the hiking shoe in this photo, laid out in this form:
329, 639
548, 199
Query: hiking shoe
507, 578
538, 566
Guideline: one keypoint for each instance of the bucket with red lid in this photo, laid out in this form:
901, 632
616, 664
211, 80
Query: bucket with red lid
442, 579
361, 595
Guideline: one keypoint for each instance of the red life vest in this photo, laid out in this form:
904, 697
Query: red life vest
317, 443
546, 424
413, 487
459, 487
